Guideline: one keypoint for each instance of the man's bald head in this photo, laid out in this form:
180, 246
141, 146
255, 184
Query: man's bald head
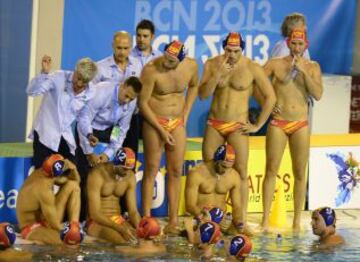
122, 34
121, 46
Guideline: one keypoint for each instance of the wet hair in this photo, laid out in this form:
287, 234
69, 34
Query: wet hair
135, 83
290, 21
86, 68
146, 24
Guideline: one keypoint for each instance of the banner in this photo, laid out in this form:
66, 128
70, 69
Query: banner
17, 169
14, 171
334, 177
255, 180
257, 163
89, 27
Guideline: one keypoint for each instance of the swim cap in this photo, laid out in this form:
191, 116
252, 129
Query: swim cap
148, 227
175, 49
234, 39
7, 235
240, 246
225, 153
125, 157
210, 232
216, 214
298, 34
328, 214
54, 165
72, 233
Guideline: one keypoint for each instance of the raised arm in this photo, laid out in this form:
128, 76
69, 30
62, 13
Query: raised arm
312, 77
73, 172
191, 193
42, 83
192, 91
131, 203
215, 69
209, 81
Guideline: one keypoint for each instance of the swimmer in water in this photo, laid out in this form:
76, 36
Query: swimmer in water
323, 225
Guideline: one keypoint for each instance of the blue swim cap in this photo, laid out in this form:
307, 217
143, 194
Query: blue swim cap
7, 235
125, 157
209, 232
225, 153
216, 214
328, 214
240, 246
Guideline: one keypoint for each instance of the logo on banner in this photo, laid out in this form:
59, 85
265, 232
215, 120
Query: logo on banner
348, 173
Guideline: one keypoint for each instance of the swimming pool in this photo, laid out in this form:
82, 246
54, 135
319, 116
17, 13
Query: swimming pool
268, 247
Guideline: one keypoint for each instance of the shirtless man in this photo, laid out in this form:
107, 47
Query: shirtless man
323, 225
107, 182
39, 211
208, 184
294, 79
166, 110
231, 78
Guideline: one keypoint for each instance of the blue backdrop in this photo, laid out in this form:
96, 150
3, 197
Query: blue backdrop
89, 27
14, 171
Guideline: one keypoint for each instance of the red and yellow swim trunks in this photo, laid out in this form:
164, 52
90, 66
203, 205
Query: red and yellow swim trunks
170, 124
289, 127
224, 128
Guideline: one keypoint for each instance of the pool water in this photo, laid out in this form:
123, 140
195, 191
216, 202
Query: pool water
267, 247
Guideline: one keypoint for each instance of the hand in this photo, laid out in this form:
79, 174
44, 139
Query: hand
93, 140
168, 138
276, 110
126, 233
224, 67
68, 165
93, 159
299, 63
249, 128
45, 64
103, 158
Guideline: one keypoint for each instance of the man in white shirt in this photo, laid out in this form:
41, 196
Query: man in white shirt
143, 51
117, 68
106, 118
64, 94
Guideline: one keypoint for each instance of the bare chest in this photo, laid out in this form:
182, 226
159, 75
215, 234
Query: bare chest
238, 79
174, 81
113, 188
214, 185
